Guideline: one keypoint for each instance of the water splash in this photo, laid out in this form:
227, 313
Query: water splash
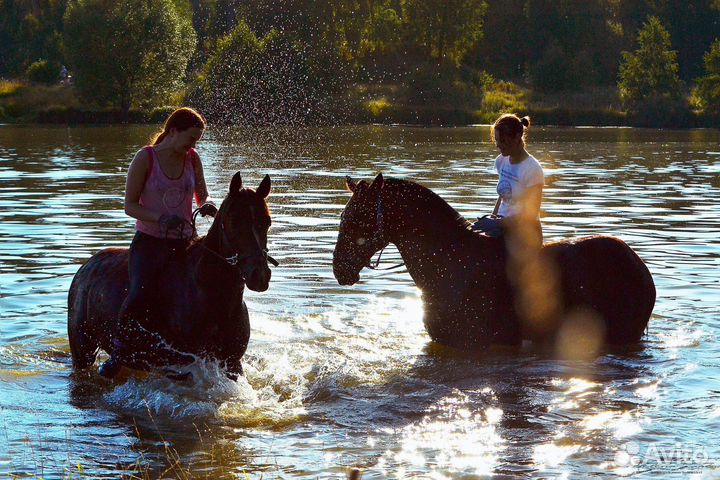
159, 396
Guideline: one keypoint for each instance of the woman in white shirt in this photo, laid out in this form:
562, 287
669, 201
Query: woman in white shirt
520, 185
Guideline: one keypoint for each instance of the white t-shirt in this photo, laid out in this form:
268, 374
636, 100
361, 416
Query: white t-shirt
514, 181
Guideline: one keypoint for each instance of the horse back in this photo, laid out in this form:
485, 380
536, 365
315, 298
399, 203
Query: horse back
604, 275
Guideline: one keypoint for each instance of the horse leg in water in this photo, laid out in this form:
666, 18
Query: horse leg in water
233, 365
236, 342
82, 346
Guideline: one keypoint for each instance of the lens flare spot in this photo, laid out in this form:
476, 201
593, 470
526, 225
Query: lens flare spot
581, 336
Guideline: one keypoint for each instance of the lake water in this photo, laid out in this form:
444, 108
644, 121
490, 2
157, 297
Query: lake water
339, 377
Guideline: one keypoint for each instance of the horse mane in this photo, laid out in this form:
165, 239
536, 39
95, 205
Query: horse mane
438, 210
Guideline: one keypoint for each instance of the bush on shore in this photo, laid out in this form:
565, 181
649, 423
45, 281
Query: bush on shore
42, 71
10, 87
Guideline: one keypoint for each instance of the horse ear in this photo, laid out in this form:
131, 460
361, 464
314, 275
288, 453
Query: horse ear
236, 183
350, 184
264, 189
377, 184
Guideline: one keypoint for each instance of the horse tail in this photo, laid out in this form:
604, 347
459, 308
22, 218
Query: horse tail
83, 347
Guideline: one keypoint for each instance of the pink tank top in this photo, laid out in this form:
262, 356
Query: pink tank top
171, 196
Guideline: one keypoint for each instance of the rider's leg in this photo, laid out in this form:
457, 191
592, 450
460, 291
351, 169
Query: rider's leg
135, 341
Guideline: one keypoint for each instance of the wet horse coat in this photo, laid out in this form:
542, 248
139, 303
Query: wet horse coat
198, 305
475, 290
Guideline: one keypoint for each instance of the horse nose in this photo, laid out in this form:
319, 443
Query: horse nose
344, 274
259, 278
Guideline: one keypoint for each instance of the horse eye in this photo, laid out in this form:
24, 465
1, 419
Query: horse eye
360, 241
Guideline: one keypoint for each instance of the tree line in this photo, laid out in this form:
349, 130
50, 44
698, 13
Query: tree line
270, 61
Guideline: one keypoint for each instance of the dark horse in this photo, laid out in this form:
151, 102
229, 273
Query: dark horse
197, 304
477, 290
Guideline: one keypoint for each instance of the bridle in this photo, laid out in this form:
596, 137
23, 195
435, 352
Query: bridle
379, 237
235, 259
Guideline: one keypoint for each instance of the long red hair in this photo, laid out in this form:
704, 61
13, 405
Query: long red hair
181, 119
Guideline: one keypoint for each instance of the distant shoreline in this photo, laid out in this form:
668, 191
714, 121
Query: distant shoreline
58, 105
427, 118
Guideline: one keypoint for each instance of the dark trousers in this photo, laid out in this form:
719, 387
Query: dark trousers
137, 342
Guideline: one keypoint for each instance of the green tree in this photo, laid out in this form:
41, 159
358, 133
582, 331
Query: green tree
30, 31
693, 25
381, 49
445, 30
707, 89
10, 54
212, 20
382, 30
128, 53
260, 81
570, 44
504, 49
223, 90
649, 83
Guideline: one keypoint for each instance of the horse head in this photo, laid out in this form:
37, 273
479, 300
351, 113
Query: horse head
362, 231
243, 221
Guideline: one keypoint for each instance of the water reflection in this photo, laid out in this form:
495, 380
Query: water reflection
346, 376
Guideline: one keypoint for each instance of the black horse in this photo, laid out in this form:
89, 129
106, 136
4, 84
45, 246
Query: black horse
197, 309
479, 290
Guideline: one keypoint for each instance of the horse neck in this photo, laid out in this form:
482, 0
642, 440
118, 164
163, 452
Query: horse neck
421, 225
213, 271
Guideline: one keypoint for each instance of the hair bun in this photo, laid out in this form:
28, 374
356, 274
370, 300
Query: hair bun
525, 121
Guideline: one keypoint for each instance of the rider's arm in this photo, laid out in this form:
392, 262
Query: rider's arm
201, 192
531, 202
134, 186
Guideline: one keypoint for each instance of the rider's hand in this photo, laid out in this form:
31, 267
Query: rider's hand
208, 208
489, 225
171, 222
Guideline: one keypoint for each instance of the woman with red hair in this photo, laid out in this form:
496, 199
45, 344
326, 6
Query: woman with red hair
162, 179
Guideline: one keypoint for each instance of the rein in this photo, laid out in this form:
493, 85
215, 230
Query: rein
377, 262
380, 238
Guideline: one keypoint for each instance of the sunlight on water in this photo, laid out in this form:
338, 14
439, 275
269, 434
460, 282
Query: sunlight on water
10, 375
277, 380
269, 395
30, 363
452, 438
575, 385
649, 391
555, 453
682, 338
621, 424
